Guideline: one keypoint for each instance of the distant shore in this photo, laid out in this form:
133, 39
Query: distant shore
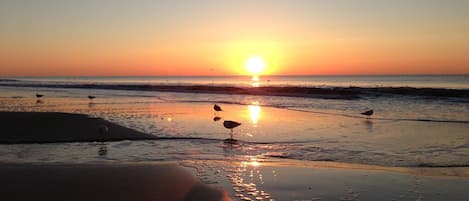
51, 127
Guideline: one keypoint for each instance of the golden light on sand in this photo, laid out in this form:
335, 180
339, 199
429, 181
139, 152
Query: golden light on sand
255, 65
254, 112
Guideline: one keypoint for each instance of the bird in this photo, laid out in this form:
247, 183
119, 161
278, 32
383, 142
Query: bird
217, 108
39, 95
91, 97
230, 125
368, 113
103, 130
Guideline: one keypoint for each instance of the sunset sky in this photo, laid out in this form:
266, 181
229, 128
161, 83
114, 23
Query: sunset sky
202, 37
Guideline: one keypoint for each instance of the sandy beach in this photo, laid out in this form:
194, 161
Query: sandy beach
30, 127
157, 181
260, 178
209, 100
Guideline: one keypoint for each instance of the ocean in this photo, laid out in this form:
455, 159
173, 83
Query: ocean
419, 121
420, 81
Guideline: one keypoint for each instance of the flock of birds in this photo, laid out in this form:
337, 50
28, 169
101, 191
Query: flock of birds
228, 124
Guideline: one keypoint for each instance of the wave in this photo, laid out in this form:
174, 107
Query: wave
308, 151
389, 119
349, 93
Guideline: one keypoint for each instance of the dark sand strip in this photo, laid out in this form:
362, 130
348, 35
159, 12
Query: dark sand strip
156, 181
48, 127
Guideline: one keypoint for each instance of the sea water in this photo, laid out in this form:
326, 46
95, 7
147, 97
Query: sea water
406, 130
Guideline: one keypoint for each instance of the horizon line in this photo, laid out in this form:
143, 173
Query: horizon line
279, 75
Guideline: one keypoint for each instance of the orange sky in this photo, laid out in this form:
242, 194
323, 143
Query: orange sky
125, 38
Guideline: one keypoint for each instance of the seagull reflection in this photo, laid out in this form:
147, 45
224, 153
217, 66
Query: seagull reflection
216, 118
369, 125
39, 101
102, 151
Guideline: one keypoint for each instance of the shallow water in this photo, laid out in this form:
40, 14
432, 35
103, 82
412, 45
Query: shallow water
278, 127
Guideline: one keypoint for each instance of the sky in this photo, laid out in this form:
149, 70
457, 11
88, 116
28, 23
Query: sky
217, 37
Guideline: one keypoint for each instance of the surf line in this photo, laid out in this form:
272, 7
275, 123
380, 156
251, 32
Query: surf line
378, 118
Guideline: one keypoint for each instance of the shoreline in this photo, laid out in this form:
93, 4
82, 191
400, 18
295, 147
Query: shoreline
441, 172
221, 179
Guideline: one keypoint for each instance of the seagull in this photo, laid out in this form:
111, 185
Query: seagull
217, 108
91, 97
39, 95
367, 113
103, 130
230, 125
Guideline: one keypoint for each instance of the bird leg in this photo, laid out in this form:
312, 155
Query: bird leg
231, 134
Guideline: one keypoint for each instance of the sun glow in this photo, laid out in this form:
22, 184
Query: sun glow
254, 112
255, 65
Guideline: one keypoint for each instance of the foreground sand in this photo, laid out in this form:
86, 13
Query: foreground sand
42, 127
292, 180
230, 178
162, 181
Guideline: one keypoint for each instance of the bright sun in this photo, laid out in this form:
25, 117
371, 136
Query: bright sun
255, 65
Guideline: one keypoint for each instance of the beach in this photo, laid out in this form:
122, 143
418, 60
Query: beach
29, 127
165, 145
158, 181
205, 100
231, 177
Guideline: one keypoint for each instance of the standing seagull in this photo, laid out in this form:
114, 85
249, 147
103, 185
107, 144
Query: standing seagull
39, 95
217, 108
367, 113
103, 131
230, 125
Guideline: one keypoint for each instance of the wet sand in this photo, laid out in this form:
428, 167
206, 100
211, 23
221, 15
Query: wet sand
49, 127
156, 181
262, 179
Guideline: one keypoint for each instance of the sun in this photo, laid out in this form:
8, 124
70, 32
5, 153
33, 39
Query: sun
255, 65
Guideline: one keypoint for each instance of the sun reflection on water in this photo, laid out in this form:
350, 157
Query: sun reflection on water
255, 81
254, 112
244, 179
